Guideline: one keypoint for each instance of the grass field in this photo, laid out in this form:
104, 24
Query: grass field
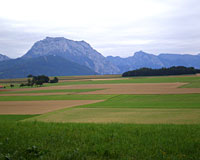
120, 127
149, 101
99, 141
176, 109
195, 80
14, 118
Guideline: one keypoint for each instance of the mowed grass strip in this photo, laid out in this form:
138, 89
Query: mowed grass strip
51, 91
13, 118
55, 97
122, 115
193, 84
50, 141
149, 101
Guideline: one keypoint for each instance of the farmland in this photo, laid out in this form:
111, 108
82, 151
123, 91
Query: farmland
102, 117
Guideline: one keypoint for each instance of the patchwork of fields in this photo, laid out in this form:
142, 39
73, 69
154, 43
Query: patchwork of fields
149, 105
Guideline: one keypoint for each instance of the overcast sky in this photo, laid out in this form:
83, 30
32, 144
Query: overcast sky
112, 27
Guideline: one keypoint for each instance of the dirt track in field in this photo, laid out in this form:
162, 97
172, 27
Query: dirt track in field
39, 107
123, 88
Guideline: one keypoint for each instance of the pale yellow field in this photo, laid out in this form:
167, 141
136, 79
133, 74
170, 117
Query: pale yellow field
122, 115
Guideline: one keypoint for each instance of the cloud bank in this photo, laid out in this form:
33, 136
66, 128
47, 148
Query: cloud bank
114, 27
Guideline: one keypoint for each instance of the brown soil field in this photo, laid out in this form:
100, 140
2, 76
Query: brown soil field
146, 88
130, 88
123, 88
39, 107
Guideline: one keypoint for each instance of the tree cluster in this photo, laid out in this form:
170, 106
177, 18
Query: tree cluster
175, 70
38, 80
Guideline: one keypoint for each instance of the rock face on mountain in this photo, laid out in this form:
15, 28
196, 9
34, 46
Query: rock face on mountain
3, 57
76, 51
141, 59
48, 65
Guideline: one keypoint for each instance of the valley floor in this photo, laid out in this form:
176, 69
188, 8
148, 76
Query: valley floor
133, 118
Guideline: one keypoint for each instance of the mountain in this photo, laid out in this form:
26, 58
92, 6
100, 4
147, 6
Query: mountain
180, 60
61, 57
76, 51
138, 60
141, 59
3, 58
48, 65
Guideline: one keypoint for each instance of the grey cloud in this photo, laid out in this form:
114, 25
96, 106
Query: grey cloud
175, 32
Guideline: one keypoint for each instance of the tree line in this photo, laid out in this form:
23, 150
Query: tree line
38, 80
175, 70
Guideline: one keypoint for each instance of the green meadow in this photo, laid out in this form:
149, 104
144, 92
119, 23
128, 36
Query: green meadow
149, 101
194, 80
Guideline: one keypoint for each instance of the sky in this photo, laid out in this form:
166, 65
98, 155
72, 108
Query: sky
112, 27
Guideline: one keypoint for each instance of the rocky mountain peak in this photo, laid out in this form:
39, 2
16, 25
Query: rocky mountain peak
76, 51
141, 54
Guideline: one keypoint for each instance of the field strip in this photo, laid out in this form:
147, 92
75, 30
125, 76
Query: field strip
39, 107
36, 94
36, 91
122, 115
121, 88
141, 88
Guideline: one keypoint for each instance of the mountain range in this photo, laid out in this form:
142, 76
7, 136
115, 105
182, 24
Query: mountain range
60, 57
141, 59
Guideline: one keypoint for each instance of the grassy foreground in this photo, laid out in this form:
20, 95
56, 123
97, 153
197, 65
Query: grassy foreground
56, 141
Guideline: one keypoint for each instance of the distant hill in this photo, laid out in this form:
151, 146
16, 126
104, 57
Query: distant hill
79, 52
49, 65
3, 57
141, 59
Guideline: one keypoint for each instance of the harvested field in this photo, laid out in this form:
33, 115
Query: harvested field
122, 115
145, 88
39, 107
